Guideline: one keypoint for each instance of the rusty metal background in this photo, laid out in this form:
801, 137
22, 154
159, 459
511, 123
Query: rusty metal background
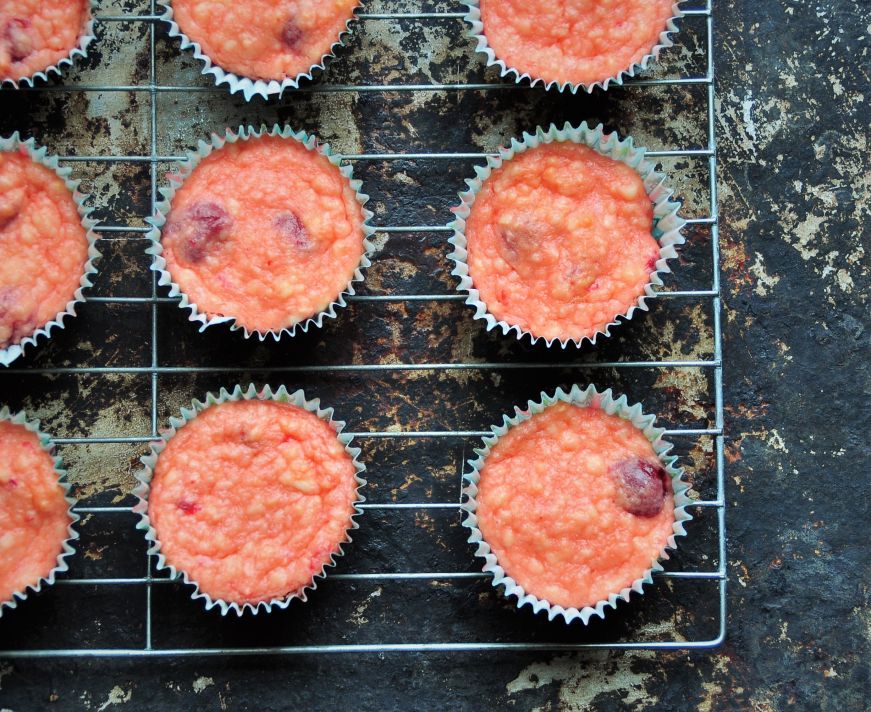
409, 104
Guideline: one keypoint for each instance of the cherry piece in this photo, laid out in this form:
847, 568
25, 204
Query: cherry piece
518, 238
521, 243
292, 229
210, 216
7, 299
641, 486
291, 34
18, 36
188, 507
199, 230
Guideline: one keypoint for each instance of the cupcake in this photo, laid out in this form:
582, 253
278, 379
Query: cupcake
573, 502
266, 231
562, 234
260, 46
37, 37
250, 496
35, 511
46, 246
575, 44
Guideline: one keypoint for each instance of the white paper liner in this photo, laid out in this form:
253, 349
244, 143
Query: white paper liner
67, 549
590, 398
477, 32
40, 155
249, 88
80, 50
666, 229
149, 462
186, 168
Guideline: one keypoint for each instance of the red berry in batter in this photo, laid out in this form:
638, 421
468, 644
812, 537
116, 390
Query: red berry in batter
199, 230
37, 34
291, 34
641, 486
11, 321
188, 507
292, 229
7, 299
516, 238
18, 37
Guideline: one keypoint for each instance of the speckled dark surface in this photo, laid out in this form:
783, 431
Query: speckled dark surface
792, 128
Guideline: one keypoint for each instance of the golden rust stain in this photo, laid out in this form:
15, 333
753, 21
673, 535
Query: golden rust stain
95, 553
409, 480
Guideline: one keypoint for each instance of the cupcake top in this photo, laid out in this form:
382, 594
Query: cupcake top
251, 499
34, 513
266, 231
264, 39
37, 34
560, 241
580, 42
575, 504
43, 246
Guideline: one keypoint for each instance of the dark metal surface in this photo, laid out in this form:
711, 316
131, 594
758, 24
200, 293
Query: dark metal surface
794, 204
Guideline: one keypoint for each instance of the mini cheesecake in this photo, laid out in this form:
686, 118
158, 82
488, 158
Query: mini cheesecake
574, 504
37, 34
34, 513
263, 39
43, 246
560, 241
578, 42
251, 499
265, 231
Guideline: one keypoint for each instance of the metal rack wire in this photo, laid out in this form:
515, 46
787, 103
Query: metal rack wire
155, 370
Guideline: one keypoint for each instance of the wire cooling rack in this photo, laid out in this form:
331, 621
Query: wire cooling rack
456, 610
